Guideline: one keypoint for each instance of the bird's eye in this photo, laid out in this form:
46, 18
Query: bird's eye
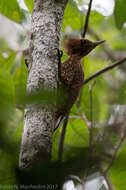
83, 42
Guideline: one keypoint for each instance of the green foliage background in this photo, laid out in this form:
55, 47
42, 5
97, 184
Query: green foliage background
106, 92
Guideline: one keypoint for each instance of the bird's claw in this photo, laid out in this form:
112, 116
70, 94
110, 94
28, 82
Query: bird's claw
60, 53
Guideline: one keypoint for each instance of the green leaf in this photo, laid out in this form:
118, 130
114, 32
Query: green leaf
96, 17
72, 152
29, 4
72, 17
121, 94
7, 63
7, 96
11, 10
55, 146
4, 45
118, 170
76, 139
77, 133
20, 79
120, 13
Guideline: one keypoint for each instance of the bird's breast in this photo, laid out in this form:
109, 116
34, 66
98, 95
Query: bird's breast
72, 74
78, 78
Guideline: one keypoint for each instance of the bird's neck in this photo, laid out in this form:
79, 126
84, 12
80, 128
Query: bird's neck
75, 58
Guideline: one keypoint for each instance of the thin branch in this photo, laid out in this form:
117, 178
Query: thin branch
79, 98
91, 118
106, 179
84, 118
83, 35
88, 123
116, 151
117, 63
87, 19
62, 136
85, 177
75, 117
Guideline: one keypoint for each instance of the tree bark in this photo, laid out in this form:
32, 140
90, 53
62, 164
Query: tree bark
39, 121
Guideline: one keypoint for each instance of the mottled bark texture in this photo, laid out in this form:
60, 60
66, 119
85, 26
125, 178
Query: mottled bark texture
39, 122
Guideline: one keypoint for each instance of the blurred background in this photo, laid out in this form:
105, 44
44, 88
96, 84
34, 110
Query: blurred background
107, 22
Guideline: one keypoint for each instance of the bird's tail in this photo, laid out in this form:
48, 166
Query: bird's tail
58, 121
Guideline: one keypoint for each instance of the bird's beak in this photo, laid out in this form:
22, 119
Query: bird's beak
97, 43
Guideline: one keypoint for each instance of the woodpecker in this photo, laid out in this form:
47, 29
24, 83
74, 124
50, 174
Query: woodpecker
70, 73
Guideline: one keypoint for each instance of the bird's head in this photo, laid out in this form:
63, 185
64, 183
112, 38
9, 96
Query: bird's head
80, 47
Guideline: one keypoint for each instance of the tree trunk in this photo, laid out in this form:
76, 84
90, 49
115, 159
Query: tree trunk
39, 122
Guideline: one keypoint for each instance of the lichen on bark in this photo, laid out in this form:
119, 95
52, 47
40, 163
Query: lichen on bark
39, 121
